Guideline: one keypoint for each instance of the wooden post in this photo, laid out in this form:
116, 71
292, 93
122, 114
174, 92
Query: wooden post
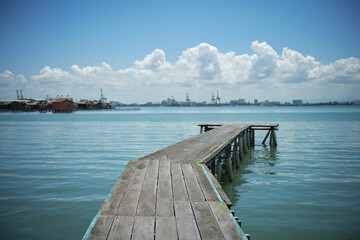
244, 142
267, 135
241, 153
201, 129
248, 138
219, 168
232, 152
229, 164
252, 137
213, 166
236, 153
274, 139
239, 222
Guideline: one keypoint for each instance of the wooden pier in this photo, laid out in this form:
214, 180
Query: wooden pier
174, 193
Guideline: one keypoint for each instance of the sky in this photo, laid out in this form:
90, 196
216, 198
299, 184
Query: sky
140, 51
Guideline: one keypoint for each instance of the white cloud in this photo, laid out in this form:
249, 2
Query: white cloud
200, 63
200, 70
341, 72
9, 83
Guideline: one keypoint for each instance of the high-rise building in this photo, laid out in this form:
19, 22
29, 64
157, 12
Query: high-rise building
297, 102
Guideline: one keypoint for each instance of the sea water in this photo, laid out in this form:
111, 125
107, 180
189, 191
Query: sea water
56, 169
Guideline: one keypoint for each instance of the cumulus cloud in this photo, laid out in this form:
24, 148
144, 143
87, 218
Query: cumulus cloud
197, 68
9, 82
50, 75
201, 62
342, 72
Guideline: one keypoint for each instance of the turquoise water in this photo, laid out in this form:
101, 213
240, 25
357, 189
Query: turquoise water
56, 169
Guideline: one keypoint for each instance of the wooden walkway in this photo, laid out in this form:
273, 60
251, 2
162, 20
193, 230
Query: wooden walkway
172, 194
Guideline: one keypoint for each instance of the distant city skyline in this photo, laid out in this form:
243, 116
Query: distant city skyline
140, 51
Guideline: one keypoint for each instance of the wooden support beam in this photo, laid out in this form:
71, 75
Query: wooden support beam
232, 152
252, 137
236, 153
248, 138
218, 168
229, 165
263, 128
267, 135
244, 142
274, 139
241, 150
213, 166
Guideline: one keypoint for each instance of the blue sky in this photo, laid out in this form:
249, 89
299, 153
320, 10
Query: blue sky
61, 34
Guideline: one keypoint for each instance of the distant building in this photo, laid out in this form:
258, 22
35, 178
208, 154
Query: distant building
31, 106
256, 102
13, 105
86, 105
297, 102
62, 105
237, 102
275, 103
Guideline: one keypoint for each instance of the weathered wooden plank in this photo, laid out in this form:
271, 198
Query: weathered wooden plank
226, 224
218, 187
147, 199
163, 157
185, 221
101, 228
121, 228
110, 207
204, 146
166, 228
143, 228
205, 185
192, 184
206, 221
164, 198
264, 128
178, 184
130, 200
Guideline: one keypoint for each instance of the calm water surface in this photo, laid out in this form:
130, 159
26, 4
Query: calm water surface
56, 169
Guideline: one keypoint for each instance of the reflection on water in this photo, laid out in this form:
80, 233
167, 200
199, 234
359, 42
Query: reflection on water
261, 158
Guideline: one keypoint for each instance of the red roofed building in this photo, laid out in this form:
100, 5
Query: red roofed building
62, 105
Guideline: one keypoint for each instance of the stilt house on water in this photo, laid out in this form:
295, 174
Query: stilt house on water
62, 105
